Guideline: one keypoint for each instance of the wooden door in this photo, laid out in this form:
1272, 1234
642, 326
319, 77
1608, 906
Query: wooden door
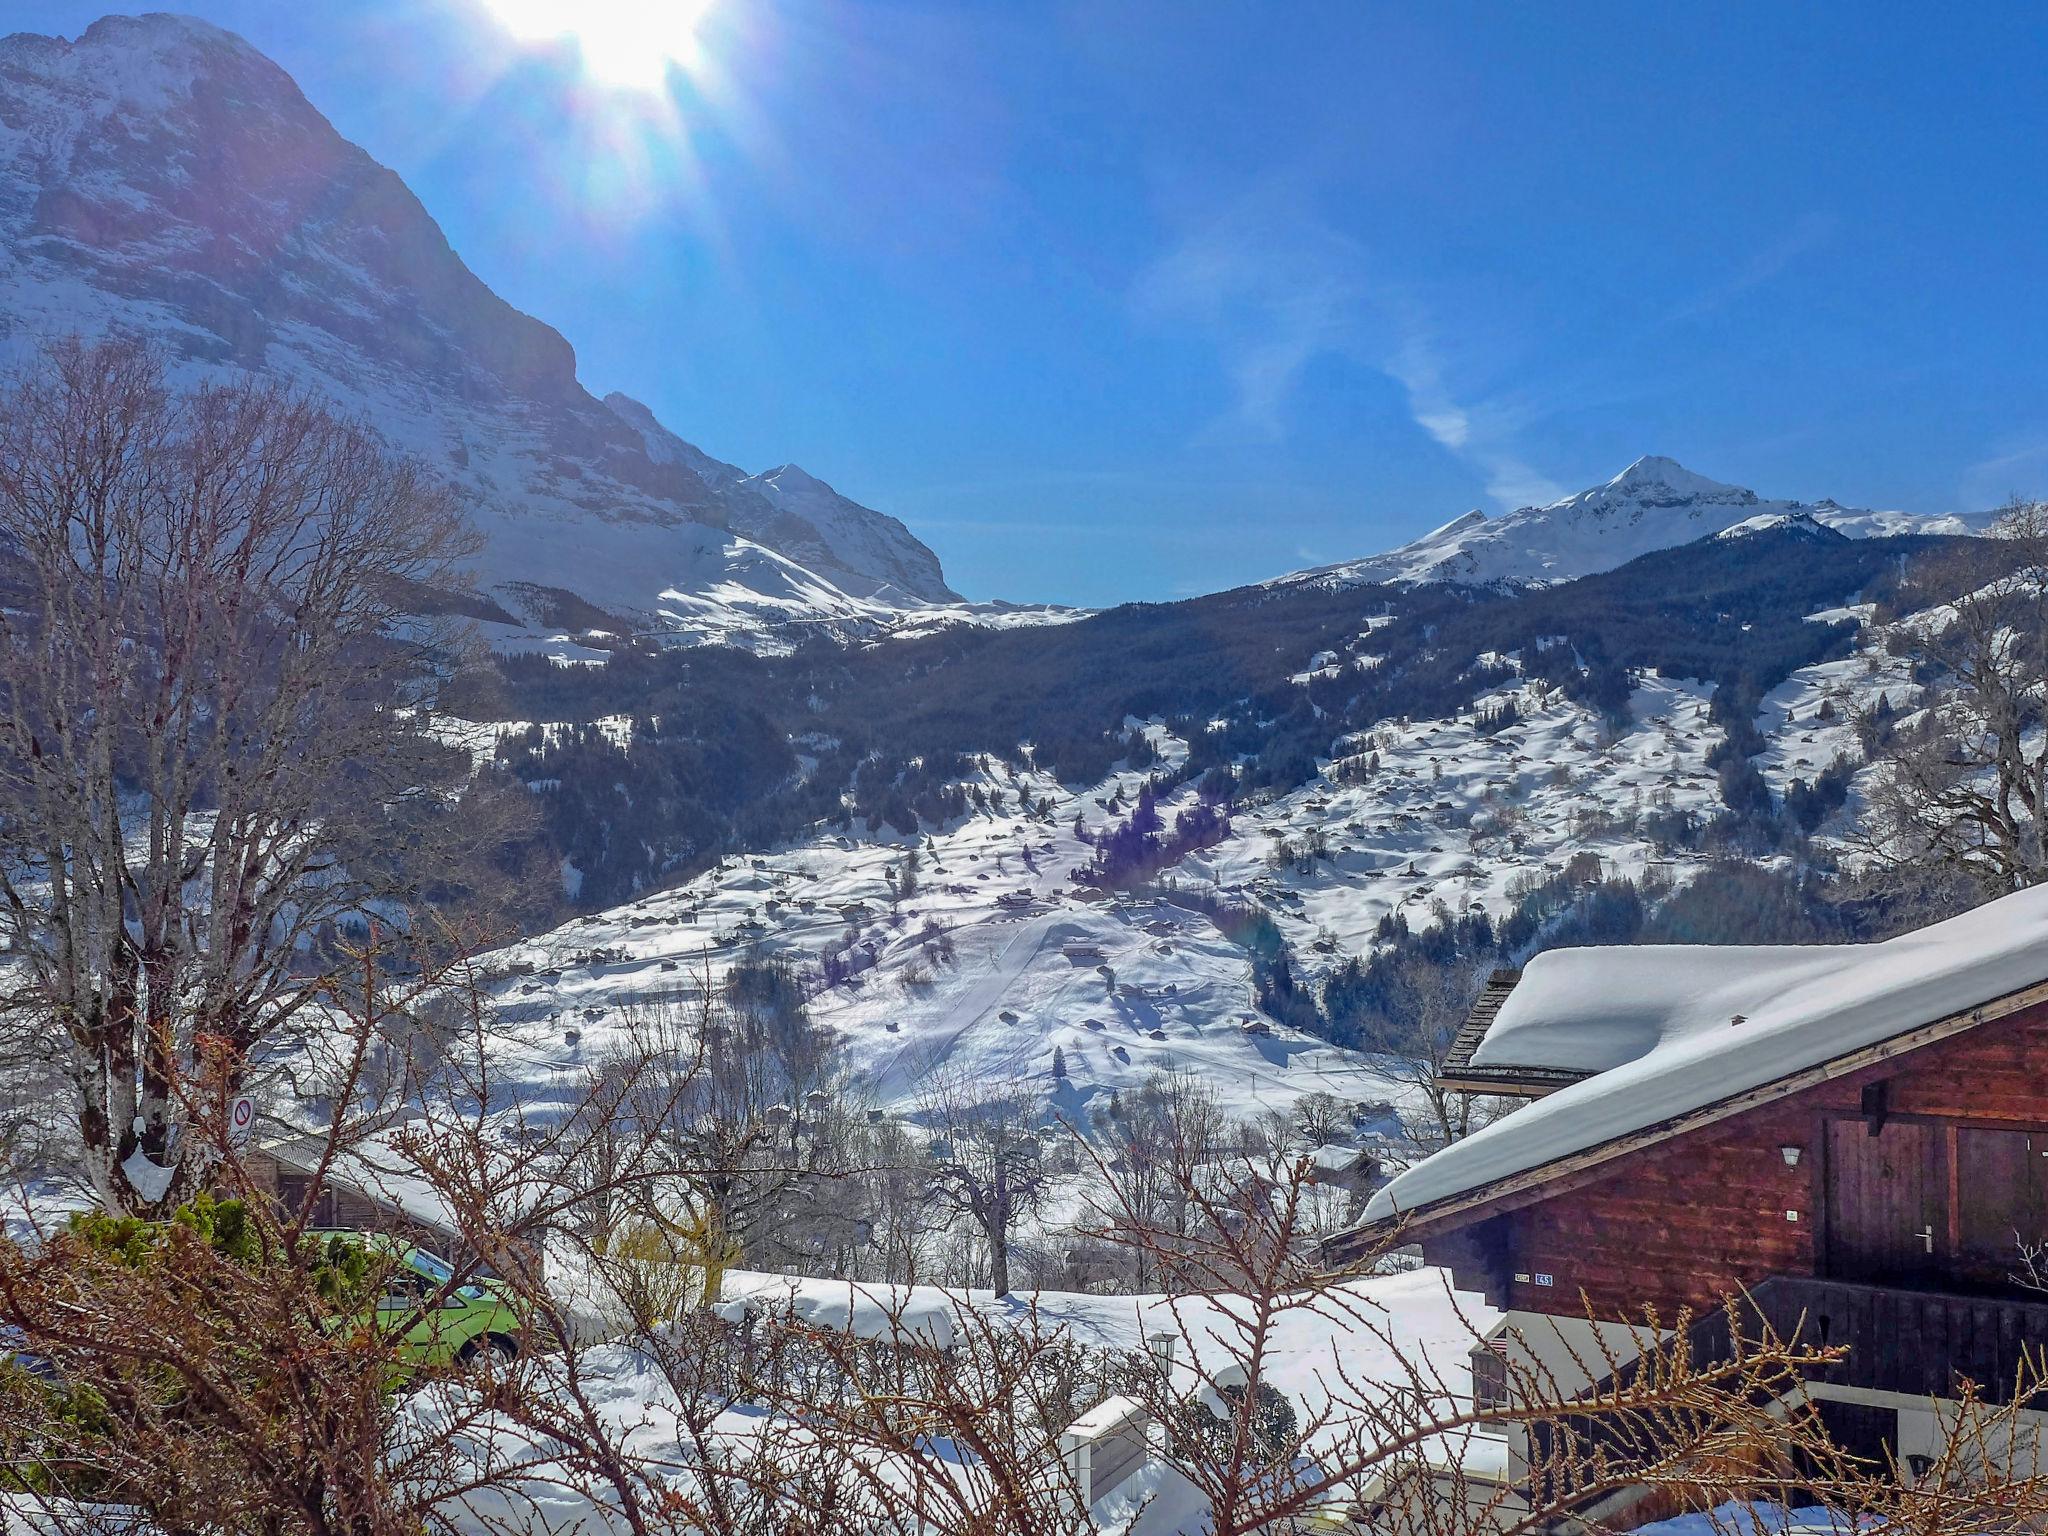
2001, 1203
1887, 1201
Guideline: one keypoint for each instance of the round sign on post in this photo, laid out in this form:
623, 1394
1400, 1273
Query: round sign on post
241, 1121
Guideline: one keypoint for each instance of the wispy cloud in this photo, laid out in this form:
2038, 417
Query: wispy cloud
1275, 292
1805, 234
1276, 288
1481, 434
2018, 468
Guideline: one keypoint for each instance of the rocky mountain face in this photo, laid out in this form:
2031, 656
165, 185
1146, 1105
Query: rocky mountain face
1654, 504
159, 176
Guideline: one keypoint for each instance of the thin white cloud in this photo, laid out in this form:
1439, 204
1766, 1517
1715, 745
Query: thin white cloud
1480, 434
1276, 289
2018, 468
1276, 293
1809, 231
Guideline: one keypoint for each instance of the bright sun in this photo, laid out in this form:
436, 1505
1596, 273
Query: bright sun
632, 44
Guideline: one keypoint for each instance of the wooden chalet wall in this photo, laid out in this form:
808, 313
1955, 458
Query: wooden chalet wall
1685, 1221
344, 1206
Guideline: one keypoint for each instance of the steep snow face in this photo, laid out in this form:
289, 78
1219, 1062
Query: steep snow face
710, 586
858, 548
1653, 504
159, 176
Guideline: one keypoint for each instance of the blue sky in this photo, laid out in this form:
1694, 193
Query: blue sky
1114, 301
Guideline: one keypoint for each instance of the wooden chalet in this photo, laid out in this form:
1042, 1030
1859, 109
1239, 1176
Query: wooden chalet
1854, 1136
373, 1186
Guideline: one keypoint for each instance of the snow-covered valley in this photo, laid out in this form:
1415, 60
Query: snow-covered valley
989, 956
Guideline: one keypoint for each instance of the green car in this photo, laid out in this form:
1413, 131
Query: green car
476, 1320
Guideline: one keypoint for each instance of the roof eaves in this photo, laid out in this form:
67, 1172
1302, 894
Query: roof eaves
1533, 1183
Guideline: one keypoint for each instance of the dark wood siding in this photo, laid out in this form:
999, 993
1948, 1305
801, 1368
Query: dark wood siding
2002, 1199
1681, 1224
1684, 1222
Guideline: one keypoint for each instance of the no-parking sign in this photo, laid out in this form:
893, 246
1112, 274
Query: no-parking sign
241, 1121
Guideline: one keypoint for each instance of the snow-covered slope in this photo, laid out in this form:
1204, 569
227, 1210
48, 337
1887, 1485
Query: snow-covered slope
858, 549
1452, 819
1653, 504
994, 961
159, 176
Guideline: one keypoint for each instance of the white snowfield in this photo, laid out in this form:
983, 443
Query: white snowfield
1455, 815
1389, 1325
1670, 1029
1461, 816
1123, 990
1653, 504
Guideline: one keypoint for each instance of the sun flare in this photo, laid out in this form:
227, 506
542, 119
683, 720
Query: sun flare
630, 44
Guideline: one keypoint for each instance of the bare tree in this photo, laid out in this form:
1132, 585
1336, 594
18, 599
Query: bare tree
232, 1370
207, 758
985, 1159
743, 1095
1165, 1139
1320, 1118
1963, 780
888, 1179
1415, 1033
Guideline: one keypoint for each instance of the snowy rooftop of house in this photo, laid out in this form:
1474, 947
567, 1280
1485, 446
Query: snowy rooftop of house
384, 1165
1670, 1029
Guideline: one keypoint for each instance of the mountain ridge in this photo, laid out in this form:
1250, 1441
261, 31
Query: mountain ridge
161, 176
1655, 503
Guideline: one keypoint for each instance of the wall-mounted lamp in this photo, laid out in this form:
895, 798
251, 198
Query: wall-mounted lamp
1791, 1156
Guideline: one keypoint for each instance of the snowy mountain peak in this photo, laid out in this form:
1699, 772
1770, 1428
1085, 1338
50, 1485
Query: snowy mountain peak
160, 177
1653, 504
1654, 472
163, 28
1463, 523
794, 480
150, 42
1653, 481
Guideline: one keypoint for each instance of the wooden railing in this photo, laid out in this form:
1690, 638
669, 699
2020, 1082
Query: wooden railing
1915, 1343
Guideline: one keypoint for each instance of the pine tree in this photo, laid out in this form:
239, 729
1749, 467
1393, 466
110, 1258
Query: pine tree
1059, 1064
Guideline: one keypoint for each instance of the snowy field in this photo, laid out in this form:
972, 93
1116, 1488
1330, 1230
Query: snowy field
1123, 989
997, 958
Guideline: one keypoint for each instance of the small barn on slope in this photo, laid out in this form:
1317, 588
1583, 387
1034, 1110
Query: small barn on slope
1854, 1135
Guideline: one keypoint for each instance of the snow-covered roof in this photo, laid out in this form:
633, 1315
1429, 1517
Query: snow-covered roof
383, 1164
896, 1313
1672, 1029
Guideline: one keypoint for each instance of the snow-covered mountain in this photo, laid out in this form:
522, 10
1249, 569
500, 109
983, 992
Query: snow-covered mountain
1655, 503
160, 176
1457, 817
721, 588
863, 552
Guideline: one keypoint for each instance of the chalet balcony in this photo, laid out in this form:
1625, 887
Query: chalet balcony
1905, 1347
1916, 1343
